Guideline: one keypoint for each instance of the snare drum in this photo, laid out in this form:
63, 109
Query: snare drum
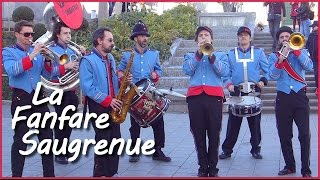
246, 106
149, 105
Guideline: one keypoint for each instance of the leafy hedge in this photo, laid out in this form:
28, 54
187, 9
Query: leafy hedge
179, 22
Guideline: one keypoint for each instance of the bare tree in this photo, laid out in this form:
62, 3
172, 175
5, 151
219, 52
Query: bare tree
103, 12
228, 6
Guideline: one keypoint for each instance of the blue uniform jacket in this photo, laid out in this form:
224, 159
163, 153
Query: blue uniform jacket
205, 76
143, 64
236, 74
23, 73
300, 64
94, 77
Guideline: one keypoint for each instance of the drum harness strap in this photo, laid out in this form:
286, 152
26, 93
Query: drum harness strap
244, 61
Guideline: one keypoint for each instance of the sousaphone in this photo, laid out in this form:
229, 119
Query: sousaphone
71, 14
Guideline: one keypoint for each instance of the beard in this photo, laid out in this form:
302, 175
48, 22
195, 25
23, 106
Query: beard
108, 49
281, 44
143, 44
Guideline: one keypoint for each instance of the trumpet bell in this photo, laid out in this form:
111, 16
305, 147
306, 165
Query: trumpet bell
206, 49
296, 41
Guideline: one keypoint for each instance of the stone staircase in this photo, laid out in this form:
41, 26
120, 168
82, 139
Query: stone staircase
224, 39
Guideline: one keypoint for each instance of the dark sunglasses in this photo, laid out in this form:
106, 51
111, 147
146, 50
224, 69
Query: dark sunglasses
27, 34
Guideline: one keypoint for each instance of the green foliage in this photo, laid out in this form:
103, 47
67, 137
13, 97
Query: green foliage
83, 35
180, 22
84, 25
6, 91
39, 30
8, 38
22, 13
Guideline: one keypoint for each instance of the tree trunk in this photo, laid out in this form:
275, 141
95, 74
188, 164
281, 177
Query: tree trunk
228, 6
103, 12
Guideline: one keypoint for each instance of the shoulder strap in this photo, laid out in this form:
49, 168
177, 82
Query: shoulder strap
292, 73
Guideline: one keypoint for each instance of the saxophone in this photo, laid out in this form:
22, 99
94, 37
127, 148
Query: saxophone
119, 116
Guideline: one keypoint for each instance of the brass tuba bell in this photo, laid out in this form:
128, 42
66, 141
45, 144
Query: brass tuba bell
206, 49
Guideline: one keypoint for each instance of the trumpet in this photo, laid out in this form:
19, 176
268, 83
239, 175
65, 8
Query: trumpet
206, 49
63, 58
296, 42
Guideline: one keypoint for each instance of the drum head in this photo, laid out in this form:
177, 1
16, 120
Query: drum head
249, 100
233, 100
143, 85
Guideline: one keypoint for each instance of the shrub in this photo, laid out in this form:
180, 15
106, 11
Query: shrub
180, 22
22, 13
39, 30
8, 38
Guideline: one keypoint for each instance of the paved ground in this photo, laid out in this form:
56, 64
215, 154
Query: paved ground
180, 147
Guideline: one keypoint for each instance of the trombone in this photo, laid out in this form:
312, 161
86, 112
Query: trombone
296, 42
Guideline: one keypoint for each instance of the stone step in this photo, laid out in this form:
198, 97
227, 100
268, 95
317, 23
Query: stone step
176, 61
265, 96
216, 43
270, 102
262, 35
268, 89
270, 109
262, 41
175, 71
259, 36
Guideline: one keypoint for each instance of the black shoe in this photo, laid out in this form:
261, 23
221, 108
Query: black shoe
202, 172
213, 174
61, 159
257, 155
224, 156
158, 155
306, 175
134, 158
286, 171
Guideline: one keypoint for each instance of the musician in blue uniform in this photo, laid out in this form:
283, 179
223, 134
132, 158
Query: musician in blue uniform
205, 100
24, 66
245, 61
99, 84
146, 64
60, 38
292, 103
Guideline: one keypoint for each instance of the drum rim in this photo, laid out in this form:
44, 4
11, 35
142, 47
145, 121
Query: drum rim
144, 90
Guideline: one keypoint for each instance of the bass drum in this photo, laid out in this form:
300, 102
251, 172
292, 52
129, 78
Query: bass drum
149, 105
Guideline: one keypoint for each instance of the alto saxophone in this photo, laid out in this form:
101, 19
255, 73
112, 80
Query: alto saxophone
119, 116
